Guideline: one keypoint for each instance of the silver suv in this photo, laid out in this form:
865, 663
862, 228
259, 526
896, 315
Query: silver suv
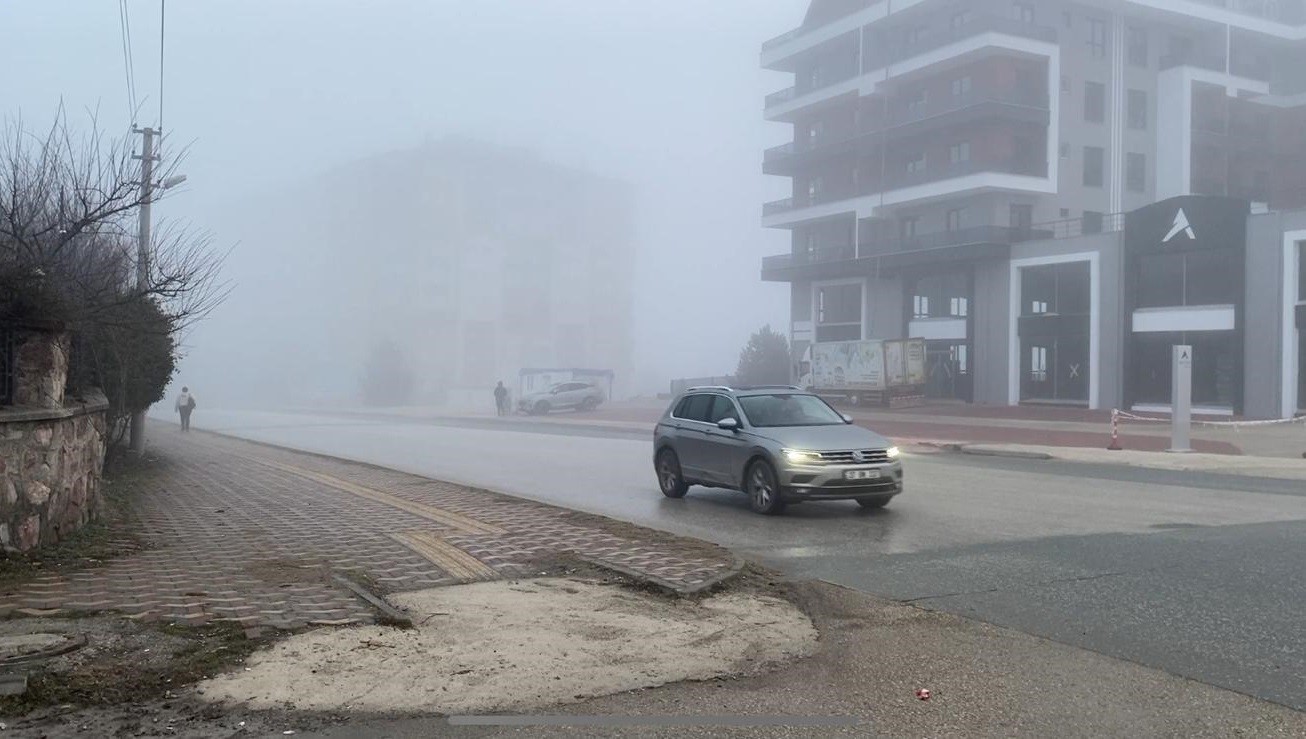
581, 396
778, 444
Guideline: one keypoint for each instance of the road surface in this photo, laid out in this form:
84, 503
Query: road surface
1203, 576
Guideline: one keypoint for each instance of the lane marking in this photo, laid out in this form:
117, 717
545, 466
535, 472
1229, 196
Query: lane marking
445, 555
438, 515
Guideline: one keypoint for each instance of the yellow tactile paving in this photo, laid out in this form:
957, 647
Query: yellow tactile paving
431, 513
446, 556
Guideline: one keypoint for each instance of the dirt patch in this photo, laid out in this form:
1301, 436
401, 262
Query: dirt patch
521, 644
122, 661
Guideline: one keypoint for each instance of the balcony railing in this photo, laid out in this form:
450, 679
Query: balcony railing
956, 237
1291, 12
907, 116
899, 180
777, 206
1214, 61
938, 38
805, 29
929, 42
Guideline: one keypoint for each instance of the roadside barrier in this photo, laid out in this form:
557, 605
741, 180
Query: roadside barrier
1118, 415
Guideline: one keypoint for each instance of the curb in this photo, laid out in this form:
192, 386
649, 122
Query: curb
737, 566
981, 451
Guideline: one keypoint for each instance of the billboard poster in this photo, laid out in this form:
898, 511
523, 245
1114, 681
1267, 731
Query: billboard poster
916, 361
853, 365
895, 364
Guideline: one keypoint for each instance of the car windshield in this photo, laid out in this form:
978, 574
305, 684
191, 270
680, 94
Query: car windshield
788, 409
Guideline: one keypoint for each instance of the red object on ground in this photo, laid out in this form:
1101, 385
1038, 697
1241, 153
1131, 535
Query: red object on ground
923, 694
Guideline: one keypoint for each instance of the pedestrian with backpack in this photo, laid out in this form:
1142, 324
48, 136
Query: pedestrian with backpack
185, 405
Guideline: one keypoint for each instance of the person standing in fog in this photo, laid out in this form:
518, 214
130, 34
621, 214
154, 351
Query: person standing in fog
501, 398
185, 404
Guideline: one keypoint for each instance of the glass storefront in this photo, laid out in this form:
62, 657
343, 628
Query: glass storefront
947, 370
1055, 302
1215, 366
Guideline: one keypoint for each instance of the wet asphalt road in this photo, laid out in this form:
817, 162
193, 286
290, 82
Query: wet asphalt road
1200, 575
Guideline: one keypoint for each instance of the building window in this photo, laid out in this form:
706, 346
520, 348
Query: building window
1097, 38
1065, 150
1094, 102
960, 152
1301, 280
1192, 278
916, 163
918, 101
1136, 42
815, 132
1023, 12
1038, 363
954, 219
907, 226
1065, 84
1136, 107
1067, 18
839, 312
1094, 163
960, 18
945, 295
814, 187
1021, 216
913, 35
1135, 172
1065, 212
1092, 222
961, 86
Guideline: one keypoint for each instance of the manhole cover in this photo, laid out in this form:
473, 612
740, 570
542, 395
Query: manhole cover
23, 647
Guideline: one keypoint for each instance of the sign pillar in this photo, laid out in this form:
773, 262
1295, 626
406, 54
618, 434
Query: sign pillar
1181, 397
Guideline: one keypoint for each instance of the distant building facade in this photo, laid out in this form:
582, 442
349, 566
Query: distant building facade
477, 260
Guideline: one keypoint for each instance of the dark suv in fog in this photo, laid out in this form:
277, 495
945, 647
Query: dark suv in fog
779, 445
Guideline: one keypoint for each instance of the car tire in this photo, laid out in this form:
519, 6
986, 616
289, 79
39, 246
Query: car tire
874, 503
541, 408
670, 478
763, 488
589, 404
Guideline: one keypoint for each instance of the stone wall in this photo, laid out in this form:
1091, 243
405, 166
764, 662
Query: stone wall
51, 449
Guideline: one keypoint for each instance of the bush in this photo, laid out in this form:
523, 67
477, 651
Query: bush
389, 379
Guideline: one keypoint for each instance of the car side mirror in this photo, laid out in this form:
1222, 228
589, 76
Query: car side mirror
847, 418
728, 424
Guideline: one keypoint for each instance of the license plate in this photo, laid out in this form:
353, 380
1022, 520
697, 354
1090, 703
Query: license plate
861, 475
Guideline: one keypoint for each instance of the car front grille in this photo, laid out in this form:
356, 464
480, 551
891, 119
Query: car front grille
862, 456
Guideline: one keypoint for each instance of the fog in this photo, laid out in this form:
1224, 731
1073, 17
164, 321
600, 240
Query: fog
661, 100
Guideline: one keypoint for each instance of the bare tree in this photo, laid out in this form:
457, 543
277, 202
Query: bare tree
68, 224
68, 255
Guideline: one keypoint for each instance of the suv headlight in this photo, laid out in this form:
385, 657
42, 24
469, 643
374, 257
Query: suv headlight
798, 456
893, 452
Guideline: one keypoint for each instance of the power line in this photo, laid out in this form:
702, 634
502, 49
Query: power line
124, 27
163, 8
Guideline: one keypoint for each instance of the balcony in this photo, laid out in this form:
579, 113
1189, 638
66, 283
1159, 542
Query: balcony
1213, 61
782, 102
897, 180
905, 122
939, 38
958, 237
1289, 12
838, 14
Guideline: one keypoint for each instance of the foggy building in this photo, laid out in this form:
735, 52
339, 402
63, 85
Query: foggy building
954, 165
452, 265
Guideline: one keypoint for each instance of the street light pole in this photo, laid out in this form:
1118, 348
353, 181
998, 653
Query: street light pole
147, 158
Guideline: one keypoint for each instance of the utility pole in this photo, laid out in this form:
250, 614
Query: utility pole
147, 157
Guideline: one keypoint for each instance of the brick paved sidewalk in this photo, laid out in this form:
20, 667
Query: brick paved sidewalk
251, 534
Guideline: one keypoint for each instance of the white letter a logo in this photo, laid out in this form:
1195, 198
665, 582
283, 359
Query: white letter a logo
1180, 225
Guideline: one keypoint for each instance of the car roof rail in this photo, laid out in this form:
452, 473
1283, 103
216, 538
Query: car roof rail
708, 387
770, 387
